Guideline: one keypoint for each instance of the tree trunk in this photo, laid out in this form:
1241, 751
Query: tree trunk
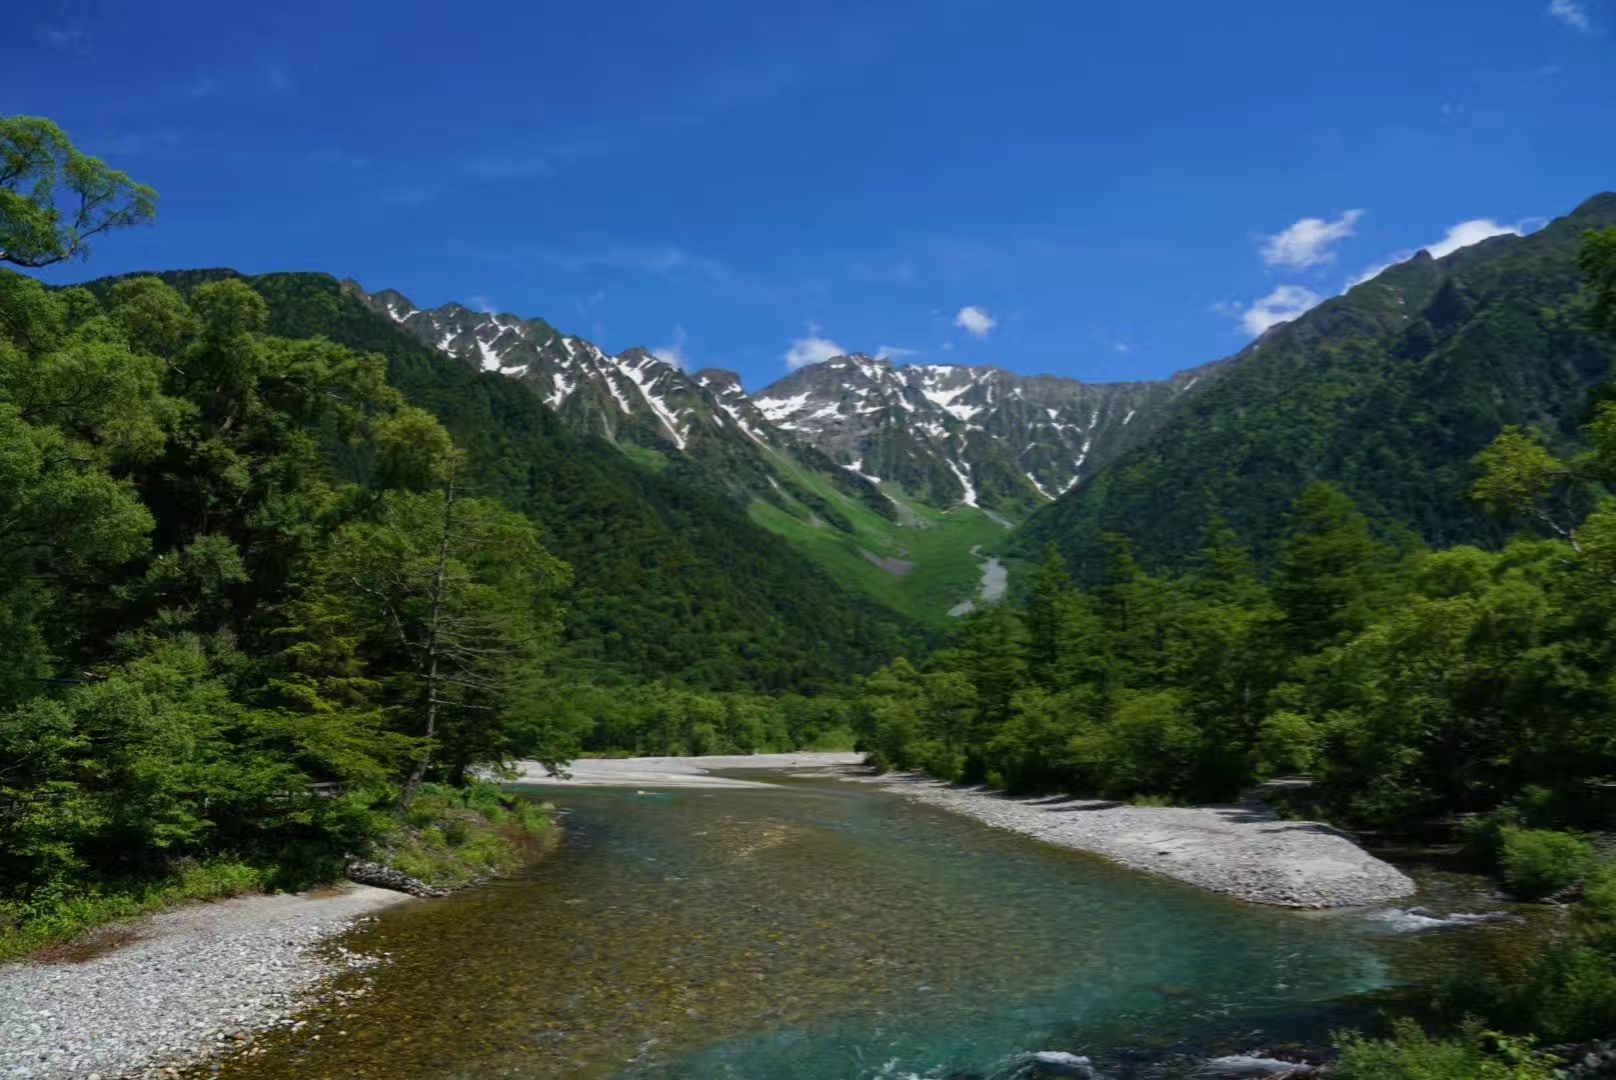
432, 658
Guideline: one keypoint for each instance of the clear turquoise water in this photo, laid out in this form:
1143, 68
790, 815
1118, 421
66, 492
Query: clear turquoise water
825, 930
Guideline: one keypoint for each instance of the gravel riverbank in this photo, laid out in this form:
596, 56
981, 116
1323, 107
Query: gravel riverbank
679, 772
1245, 851
180, 984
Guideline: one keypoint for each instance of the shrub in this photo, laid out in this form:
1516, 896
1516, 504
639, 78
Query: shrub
1410, 1054
1288, 743
455, 836
1539, 862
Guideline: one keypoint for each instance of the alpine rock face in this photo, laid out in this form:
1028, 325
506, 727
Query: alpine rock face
605, 395
980, 436
944, 435
704, 419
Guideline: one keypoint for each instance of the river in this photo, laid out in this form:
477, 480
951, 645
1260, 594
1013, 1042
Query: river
825, 930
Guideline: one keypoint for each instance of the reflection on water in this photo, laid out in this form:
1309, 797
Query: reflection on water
818, 931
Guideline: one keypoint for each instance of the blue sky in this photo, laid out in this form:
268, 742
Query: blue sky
1104, 191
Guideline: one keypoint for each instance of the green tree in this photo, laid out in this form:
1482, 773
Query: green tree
1325, 574
54, 200
449, 602
1597, 260
1061, 631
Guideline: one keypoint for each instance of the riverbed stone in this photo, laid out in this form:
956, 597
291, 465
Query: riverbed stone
1245, 850
191, 981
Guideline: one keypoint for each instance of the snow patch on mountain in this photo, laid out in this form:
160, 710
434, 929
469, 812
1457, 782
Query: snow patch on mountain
969, 498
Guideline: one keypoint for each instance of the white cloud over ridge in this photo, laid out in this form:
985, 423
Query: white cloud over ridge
975, 321
812, 348
1458, 236
1306, 243
1286, 302
1470, 232
675, 353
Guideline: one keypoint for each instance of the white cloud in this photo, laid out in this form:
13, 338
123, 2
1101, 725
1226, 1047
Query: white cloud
1307, 242
73, 40
1283, 304
1470, 232
895, 352
975, 321
482, 304
1459, 236
812, 348
1121, 348
532, 163
1572, 13
674, 354
1378, 268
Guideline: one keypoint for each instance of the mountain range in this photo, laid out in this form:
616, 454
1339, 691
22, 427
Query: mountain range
900, 481
947, 435
900, 478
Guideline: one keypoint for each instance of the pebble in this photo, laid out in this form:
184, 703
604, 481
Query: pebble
1245, 851
194, 980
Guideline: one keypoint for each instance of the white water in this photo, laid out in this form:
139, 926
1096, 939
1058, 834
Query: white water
995, 579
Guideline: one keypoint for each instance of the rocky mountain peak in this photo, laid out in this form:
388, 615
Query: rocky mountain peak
946, 434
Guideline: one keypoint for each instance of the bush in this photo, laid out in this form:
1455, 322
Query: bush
455, 836
1149, 746
1566, 991
1539, 862
1412, 1055
1288, 743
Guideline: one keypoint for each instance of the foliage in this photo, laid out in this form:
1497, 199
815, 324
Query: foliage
231, 598
1597, 260
1410, 683
26, 928
1540, 862
54, 199
1385, 391
672, 581
453, 836
1410, 1054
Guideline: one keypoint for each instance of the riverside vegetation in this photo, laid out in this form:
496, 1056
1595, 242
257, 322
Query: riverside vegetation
269, 602
276, 587
1411, 684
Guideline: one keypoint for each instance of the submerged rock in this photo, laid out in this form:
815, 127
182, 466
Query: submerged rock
1416, 920
1050, 1064
1245, 1067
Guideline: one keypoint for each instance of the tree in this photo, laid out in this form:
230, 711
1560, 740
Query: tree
449, 602
78, 409
1060, 629
1597, 260
1521, 478
1325, 568
54, 199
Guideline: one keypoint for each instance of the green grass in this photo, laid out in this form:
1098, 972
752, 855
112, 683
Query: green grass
452, 836
645, 456
937, 542
58, 920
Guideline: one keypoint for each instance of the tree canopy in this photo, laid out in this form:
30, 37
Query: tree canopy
55, 199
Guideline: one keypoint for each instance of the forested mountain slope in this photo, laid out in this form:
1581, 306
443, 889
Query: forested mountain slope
670, 580
1388, 391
